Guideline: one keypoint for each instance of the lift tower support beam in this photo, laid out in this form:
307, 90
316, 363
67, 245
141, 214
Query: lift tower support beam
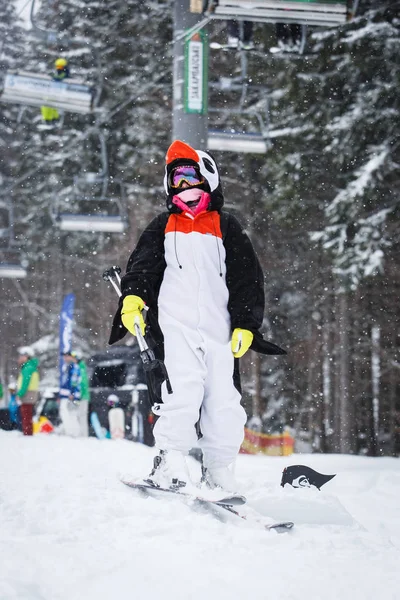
190, 78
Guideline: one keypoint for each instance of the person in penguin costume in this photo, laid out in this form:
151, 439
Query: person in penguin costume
195, 270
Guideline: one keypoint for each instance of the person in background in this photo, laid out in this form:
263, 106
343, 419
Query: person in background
240, 34
62, 69
288, 36
71, 389
51, 115
70, 396
13, 408
27, 387
1, 393
83, 414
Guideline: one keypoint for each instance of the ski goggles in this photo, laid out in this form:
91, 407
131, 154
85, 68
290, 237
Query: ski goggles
188, 175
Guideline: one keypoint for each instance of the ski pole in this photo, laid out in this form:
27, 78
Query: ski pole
109, 274
117, 274
150, 362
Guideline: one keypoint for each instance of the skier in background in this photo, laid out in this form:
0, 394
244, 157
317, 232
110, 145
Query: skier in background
27, 387
13, 408
70, 397
83, 407
62, 69
288, 36
195, 269
51, 115
240, 34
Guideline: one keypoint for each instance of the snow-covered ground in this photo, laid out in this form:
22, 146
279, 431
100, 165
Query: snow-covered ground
69, 530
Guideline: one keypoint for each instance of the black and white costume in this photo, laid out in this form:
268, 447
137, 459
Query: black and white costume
200, 278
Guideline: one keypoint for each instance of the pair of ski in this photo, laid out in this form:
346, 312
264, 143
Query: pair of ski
217, 506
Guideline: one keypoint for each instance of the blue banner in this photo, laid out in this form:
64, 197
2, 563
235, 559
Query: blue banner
66, 323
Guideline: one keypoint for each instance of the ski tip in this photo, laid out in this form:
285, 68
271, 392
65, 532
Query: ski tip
232, 500
280, 527
129, 482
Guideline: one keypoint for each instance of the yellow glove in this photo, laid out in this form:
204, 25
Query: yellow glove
131, 313
241, 341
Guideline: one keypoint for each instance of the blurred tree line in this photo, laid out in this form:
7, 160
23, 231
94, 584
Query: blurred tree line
321, 206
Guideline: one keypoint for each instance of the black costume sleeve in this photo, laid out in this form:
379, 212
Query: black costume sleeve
144, 273
245, 282
244, 279
146, 265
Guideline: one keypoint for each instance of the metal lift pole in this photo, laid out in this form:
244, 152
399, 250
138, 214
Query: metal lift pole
190, 78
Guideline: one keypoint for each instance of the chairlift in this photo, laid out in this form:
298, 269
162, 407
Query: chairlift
49, 36
328, 13
12, 270
92, 223
33, 89
234, 141
100, 210
240, 84
11, 265
231, 139
101, 201
303, 12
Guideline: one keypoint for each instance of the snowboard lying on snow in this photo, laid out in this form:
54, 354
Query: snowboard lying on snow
217, 505
302, 476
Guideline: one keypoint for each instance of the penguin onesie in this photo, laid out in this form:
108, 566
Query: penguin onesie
196, 271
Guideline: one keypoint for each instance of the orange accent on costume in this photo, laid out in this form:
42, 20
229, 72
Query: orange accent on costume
179, 149
208, 223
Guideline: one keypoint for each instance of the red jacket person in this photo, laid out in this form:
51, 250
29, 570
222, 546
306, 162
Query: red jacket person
27, 387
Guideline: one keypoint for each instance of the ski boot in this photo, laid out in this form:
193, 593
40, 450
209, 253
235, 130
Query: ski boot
169, 471
233, 42
219, 478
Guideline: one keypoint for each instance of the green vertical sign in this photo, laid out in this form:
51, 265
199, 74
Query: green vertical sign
195, 85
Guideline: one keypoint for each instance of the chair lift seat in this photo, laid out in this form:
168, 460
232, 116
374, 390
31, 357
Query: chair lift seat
227, 141
88, 223
12, 270
21, 87
307, 12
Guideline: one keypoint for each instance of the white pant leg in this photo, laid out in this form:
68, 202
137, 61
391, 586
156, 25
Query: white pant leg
222, 416
83, 418
69, 418
184, 360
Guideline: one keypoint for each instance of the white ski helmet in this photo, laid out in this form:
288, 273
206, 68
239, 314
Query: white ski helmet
26, 351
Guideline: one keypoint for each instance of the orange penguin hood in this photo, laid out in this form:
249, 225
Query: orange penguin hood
181, 154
